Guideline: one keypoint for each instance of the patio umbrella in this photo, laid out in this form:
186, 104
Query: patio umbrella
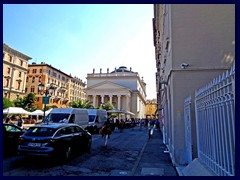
116, 111
15, 110
37, 112
129, 113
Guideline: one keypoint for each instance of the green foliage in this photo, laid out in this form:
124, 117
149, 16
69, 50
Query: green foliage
27, 102
81, 104
107, 106
7, 103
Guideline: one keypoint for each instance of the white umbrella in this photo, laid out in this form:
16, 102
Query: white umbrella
15, 110
37, 112
115, 111
129, 113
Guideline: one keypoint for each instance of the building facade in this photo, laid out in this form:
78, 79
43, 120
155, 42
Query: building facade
15, 66
194, 43
77, 89
123, 88
151, 108
50, 76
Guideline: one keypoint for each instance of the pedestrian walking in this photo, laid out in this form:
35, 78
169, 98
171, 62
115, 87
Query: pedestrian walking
105, 131
151, 126
8, 120
20, 121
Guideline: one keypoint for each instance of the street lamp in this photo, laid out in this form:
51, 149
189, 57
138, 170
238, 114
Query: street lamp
45, 98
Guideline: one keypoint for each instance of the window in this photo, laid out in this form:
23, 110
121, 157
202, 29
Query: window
40, 71
72, 118
40, 79
7, 82
20, 74
27, 79
33, 79
19, 85
10, 58
34, 71
32, 89
26, 90
21, 63
8, 70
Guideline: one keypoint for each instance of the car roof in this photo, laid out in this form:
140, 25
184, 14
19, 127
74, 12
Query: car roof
54, 125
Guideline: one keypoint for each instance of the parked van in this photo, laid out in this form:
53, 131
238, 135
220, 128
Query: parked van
97, 118
68, 115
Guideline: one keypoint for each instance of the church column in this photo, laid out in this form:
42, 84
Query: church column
94, 100
110, 98
119, 101
102, 99
127, 102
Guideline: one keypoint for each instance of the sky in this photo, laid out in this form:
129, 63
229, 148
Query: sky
77, 38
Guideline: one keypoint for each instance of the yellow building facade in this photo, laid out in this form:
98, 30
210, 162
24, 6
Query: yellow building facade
151, 108
15, 66
62, 83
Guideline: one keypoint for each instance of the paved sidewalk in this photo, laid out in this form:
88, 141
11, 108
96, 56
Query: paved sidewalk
152, 160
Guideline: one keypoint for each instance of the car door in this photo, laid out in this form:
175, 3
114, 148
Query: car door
11, 137
81, 139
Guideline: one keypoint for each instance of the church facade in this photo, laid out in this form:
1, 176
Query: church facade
123, 88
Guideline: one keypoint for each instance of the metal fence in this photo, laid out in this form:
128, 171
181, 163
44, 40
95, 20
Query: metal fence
188, 129
215, 123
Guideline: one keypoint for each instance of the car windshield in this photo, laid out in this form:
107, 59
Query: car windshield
56, 118
91, 118
40, 131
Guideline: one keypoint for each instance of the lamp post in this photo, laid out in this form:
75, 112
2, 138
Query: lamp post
45, 97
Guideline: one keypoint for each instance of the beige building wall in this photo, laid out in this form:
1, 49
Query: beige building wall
201, 36
77, 90
15, 65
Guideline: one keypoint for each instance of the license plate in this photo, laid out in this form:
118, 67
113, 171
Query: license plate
34, 144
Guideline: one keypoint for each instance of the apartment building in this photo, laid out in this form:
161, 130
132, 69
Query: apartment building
194, 43
52, 77
123, 88
77, 89
15, 66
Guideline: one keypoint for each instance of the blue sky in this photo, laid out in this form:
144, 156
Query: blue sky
76, 38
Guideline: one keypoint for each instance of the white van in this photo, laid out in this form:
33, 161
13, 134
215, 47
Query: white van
68, 115
97, 118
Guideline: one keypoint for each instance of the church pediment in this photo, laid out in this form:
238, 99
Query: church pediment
107, 85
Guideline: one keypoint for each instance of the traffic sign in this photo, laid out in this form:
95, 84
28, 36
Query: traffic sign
45, 100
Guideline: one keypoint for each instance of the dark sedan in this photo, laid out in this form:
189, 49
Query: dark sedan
55, 140
11, 134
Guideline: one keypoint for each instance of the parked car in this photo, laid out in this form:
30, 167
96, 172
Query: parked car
59, 140
11, 134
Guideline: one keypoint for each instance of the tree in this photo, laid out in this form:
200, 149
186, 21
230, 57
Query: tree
107, 106
27, 102
81, 104
7, 103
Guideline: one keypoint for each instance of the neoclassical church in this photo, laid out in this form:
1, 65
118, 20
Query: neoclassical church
122, 87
